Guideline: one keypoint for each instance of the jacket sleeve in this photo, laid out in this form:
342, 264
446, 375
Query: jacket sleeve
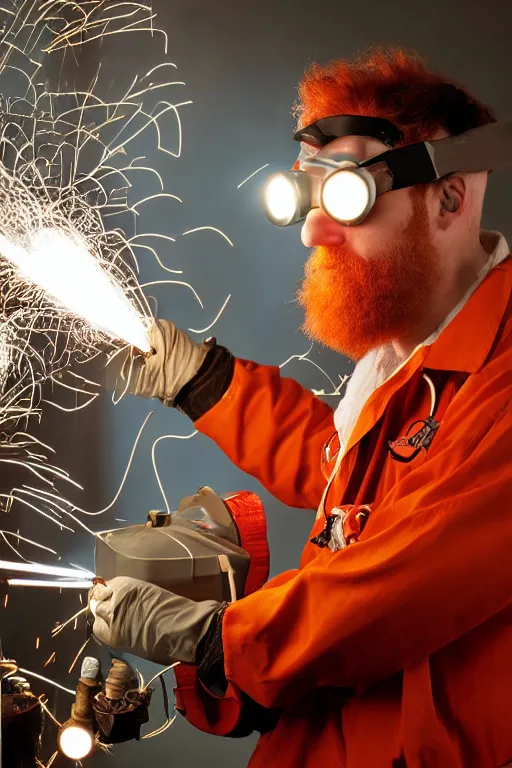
443, 566
273, 429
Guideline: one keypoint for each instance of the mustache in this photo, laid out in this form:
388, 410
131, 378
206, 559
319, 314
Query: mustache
329, 258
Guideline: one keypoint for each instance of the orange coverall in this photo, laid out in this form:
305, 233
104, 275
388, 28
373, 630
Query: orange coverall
397, 650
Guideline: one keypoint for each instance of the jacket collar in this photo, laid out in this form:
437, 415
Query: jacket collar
465, 338
480, 310
461, 343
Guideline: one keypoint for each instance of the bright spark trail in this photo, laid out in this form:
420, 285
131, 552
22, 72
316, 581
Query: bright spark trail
51, 584
45, 570
60, 264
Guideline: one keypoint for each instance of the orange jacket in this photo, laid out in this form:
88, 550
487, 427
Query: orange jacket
397, 650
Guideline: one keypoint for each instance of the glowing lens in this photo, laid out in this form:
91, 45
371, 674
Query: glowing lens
345, 196
280, 199
75, 742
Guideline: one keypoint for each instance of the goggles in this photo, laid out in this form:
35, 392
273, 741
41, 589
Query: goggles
347, 188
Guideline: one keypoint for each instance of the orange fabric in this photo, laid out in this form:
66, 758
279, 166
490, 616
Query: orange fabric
398, 649
248, 512
203, 709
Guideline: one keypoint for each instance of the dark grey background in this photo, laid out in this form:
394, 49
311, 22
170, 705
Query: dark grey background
241, 63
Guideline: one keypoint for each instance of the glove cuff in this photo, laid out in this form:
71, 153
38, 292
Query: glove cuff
209, 384
210, 656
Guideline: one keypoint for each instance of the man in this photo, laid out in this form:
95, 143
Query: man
391, 644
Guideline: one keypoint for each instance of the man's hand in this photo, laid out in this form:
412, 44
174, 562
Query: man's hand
175, 361
137, 617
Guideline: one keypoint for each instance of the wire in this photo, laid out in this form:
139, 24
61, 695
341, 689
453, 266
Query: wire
162, 728
155, 468
432, 393
168, 720
162, 672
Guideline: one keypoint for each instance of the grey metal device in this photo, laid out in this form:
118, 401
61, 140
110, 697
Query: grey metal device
179, 551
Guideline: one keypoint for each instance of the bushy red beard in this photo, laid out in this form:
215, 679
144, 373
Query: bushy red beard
355, 304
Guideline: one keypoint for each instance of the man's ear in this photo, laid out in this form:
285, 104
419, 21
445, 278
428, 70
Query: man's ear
451, 196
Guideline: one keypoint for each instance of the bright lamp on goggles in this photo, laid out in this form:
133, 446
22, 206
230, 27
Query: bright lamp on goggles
287, 197
346, 188
345, 191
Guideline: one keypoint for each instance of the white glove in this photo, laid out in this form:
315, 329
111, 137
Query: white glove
176, 360
148, 621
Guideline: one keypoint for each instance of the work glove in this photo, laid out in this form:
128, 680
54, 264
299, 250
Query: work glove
174, 361
137, 617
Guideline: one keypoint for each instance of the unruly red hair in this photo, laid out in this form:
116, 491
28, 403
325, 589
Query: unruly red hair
395, 84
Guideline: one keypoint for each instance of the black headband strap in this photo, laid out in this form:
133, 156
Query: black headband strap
488, 147
323, 131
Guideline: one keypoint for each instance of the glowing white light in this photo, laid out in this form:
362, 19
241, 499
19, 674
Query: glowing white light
45, 570
61, 265
75, 742
281, 199
345, 196
85, 584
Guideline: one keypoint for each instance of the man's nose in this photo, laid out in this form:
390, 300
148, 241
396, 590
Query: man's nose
320, 229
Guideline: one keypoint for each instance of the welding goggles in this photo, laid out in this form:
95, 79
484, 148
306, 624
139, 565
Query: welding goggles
347, 188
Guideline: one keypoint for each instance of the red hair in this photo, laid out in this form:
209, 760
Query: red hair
392, 83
